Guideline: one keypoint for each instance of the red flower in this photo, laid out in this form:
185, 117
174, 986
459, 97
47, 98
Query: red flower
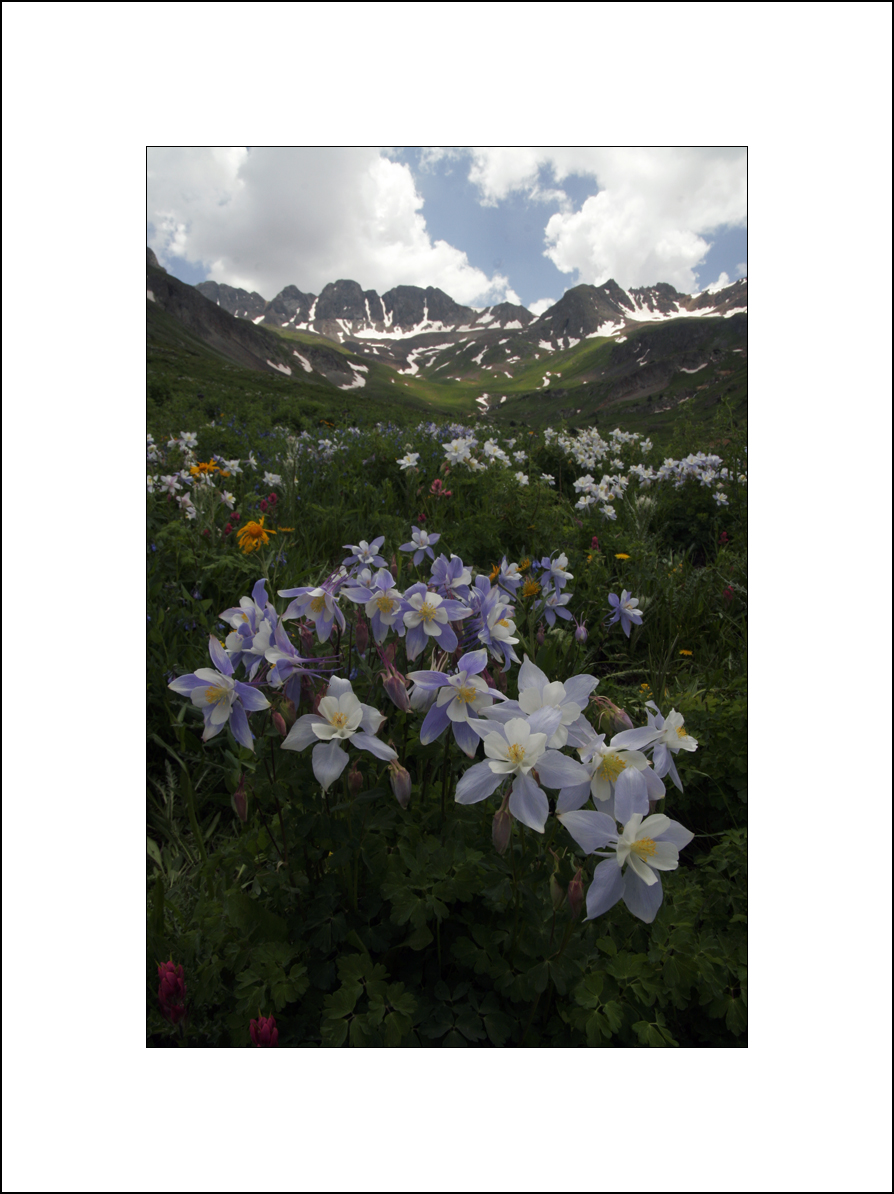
272, 499
171, 992
263, 504
264, 1033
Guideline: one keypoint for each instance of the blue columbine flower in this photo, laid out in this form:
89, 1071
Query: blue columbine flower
221, 698
624, 611
421, 545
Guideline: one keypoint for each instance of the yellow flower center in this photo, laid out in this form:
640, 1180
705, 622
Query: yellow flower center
611, 767
644, 848
503, 622
385, 604
530, 588
681, 731
339, 720
427, 611
516, 754
317, 604
215, 694
466, 692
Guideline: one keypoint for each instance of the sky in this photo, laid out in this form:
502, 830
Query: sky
486, 225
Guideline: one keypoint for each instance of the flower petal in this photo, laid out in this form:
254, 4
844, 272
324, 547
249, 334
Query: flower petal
606, 889
591, 831
329, 761
528, 803
375, 746
477, 783
642, 901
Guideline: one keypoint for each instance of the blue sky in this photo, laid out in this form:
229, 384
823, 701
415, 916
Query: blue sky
491, 224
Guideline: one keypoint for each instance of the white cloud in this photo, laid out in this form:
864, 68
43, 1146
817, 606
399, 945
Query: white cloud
266, 218
541, 305
742, 269
722, 281
650, 218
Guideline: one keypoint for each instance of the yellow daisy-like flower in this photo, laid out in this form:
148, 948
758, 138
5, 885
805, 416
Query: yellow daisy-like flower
199, 470
524, 565
644, 688
495, 572
621, 555
685, 652
530, 588
253, 536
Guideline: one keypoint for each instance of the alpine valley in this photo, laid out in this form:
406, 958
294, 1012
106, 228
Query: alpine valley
628, 358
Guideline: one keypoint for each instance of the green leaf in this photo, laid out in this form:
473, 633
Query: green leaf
607, 946
153, 851
420, 938
343, 1001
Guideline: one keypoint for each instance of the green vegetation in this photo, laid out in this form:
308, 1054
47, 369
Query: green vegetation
356, 919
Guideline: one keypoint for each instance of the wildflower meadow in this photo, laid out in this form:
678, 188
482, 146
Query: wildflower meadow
447, 738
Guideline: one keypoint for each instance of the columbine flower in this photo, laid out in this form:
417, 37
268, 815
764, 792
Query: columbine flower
382, 602
460, 695
536, 692
427, 616
221, 698
645, 847
669, 738
253, 536
625, 611
272, 479
318, 605
366, 555
408, 461
521, 478
228, 499
513, 750
621, 780
421, 545
341, 718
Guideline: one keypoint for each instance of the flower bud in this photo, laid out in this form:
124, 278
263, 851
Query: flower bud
264, 1033
171, 992
617, 718
239, 800
279, 725
397, 691
502, 829
594, 543
362, 635
355, 781
580, 632
401, 784
289, 712
540, 635
556, 893
576, 895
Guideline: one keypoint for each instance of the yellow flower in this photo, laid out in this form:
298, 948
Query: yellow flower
685, 652
495, 572
253, 536
530, 588
199, 470
524, 565
621, 555
644, 688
